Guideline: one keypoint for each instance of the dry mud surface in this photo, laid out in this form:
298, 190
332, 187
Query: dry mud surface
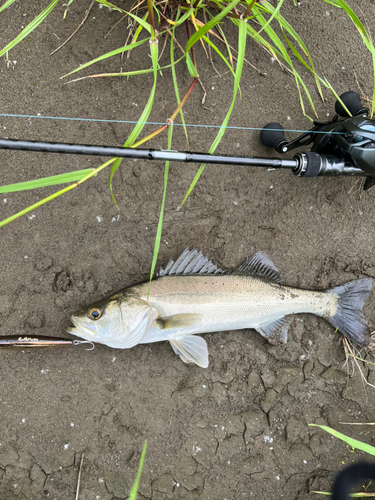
239, 429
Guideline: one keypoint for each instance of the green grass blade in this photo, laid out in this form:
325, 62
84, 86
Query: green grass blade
259, 39
156, 11
301, 82
160, 223
30, 27
126, 73
367, 448
285, 26
331, 2
110, 5
133, 493
183, 18
296, 53
352, 495
354, 18
141, 21
329, 86
147, 110
283, 53
361, 359
373, 90
209, 25
190, 66
274, 12
7, 4
218, 27
364, 35
208, 41
240, 60
108, 54
46, 181
139, 29
58, 193
174, 78
144, 116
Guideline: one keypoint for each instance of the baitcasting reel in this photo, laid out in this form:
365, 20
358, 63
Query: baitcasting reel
343, 147
340, 147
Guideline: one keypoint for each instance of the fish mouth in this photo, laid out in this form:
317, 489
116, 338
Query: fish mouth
79, 329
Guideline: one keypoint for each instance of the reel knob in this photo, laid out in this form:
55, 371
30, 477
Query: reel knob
353, 102
272, 136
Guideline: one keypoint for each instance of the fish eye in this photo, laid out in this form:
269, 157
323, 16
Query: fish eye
95, 312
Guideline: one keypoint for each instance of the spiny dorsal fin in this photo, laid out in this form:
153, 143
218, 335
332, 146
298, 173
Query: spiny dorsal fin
190, 262
260, 265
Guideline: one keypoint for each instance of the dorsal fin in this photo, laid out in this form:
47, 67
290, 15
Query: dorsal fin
260, 265
190, 262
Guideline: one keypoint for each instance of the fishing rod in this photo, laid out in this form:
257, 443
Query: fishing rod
340, 147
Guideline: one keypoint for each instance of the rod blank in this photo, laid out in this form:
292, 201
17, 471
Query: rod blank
144, 154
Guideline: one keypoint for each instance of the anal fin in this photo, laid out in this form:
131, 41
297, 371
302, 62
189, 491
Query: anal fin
191, 349
276, 332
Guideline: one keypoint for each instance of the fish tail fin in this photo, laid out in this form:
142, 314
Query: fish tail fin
349, 318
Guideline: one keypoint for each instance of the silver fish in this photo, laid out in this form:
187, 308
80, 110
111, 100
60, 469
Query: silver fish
193, 296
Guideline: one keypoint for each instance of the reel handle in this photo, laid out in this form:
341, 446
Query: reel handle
353, 102
272, 136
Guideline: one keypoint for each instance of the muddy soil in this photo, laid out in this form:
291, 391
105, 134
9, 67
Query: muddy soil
239, 429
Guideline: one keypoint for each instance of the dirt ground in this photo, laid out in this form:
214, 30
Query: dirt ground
239, 429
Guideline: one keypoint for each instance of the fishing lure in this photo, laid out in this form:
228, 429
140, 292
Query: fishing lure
30, 342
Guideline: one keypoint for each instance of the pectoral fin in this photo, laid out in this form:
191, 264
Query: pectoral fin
178, 321
191, 349
276, 332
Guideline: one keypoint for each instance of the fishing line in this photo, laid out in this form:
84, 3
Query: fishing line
95, 120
